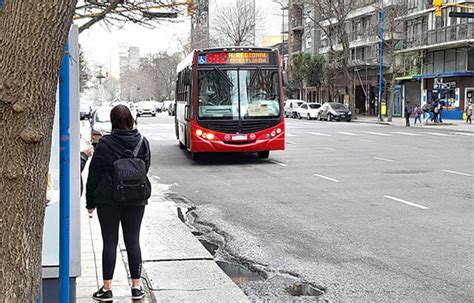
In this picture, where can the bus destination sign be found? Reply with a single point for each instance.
(234, 58)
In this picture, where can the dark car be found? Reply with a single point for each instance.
(335, 111)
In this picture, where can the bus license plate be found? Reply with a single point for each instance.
(239, 137)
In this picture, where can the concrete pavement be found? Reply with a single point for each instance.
(176, 267)
(454, 125)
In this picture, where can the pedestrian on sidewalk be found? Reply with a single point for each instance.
(440, 111)
(435, 112)
(426, 112)
(418, 113)
(118, 187)
(468, 111)
(408, 111)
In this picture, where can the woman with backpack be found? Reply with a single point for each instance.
(119, 188)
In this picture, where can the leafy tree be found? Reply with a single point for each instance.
(306, 70)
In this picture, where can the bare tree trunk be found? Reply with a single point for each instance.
(32, 38)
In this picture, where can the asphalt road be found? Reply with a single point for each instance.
(368, 212)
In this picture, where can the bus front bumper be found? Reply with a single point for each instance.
(200, 145)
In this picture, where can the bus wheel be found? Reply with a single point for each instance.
(264, 154)
(181, 146)
(195, 156)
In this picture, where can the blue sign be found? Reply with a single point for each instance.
(201, 59)
(1, 4)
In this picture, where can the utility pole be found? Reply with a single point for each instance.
(379, 101)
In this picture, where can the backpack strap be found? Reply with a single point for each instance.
(137, 148)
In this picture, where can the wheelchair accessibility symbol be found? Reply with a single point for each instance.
(202, 60)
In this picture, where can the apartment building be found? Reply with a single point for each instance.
(427, 49)
(438, 49)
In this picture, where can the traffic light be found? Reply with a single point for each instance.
(190, 4)
(438, 7)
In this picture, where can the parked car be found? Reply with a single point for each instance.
(100, 124)
(172, 108)
(290, 107)
(159, 106)
(85, 110)
(335, 111)
(146, 108)
(308, 110)
(166, 105)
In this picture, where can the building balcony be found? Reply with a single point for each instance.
(441, 37)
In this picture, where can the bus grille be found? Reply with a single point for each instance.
(243, 127)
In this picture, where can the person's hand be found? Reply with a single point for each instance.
(89, 150)
(90, 211)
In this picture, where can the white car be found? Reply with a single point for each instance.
(308, 110)
(290, 107)
(146, 107)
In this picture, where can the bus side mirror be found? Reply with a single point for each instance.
(285, 79)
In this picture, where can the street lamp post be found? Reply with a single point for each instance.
(283, 8)
(379, 101)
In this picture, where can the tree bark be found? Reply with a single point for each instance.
(32, 38)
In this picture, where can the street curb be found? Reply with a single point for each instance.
(431, 125)
(176, 266)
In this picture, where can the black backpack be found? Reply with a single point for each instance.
(130, 182)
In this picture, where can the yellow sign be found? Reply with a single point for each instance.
(244, 58)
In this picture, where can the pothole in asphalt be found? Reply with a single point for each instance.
(238, 273)
(211, 247)
(304, 289)
(183, 212)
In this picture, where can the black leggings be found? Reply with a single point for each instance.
(131, 218)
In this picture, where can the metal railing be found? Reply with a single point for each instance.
(442, 35)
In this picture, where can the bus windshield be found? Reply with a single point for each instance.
(238, 94)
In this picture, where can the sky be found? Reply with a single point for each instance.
(101, 45)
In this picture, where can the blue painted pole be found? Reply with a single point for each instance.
(381, 61)
(64, 173)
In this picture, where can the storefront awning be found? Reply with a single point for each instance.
(444, 75)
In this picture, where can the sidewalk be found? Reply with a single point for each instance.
(453, 125)
(176, 267)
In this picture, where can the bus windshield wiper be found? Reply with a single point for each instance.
(224, 76)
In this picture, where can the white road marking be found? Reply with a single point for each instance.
(437, 134)
(383, 159)
(405, 202)
(327, 178)
(379, 134)
(464, 134)
(457, 173)
(407, 134)
(319, 134)
(278, 163)
(156, 177)
(327, 148)
(366, 140)
(290, 135)
(290, 142)
(347, 133)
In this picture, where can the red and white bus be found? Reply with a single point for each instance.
(230, 100)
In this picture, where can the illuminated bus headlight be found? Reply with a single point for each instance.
(279, 130)
(210, 136)
(199, 133)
